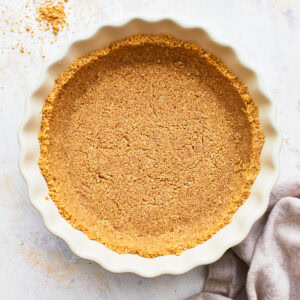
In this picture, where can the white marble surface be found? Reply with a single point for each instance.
(36, 265)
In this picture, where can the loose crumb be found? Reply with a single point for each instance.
(52, 16)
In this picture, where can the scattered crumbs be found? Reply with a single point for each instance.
(43, 56)
(46, 198)
(52, 15)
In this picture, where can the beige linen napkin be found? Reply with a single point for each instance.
(266, 266)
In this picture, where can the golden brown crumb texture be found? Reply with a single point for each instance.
(52, 15)
(150, 145)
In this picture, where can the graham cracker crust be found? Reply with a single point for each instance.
(150, 145)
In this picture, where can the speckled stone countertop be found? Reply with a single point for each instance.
(34, 264)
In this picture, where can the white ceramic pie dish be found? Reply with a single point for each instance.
(80, 244)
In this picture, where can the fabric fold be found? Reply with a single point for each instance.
(266, 265)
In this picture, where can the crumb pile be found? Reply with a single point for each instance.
(49, 16)
(149, 146)
(52, 15)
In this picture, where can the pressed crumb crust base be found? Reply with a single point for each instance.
(149, 146)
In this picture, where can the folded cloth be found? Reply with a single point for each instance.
(266, 265)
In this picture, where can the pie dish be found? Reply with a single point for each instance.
(150, 147)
